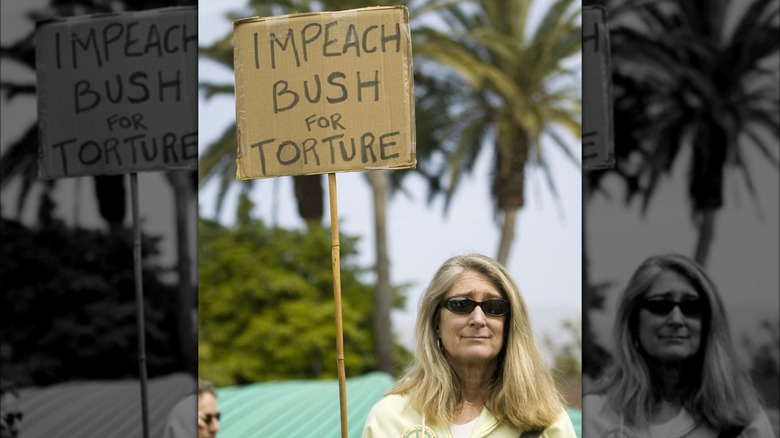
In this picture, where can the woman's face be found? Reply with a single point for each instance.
(475, 338)
(670, 319)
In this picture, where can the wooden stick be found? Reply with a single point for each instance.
(336, 262)
(139, 301)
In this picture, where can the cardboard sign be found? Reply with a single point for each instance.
(324, 92)
(597, 121)
(117, 93)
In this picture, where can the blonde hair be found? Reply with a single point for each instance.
(522, 393)
(718, 386)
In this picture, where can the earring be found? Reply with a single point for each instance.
(441, 347)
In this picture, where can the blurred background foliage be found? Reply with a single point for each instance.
(266, 303)
(69, 308)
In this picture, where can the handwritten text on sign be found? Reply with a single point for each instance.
(117, 93)
(597, 139)
(325, 92)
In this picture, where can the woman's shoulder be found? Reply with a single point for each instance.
(759, 427)
(394, 402)
(391, 417)
(562, 427)
(598, 419)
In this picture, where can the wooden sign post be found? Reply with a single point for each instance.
(117, 94)
(325, 93)
(597, 121)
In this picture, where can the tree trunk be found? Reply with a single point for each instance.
(187, 297)
(710, 151)
(706, 235)
(310, 197)
(383, 299)
(507, 235)
(111, 199)
(509, 180)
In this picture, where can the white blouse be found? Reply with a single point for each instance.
(463, 430)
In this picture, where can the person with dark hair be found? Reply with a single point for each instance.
(10, 410)
(208, 411)
(676, 371)
(478, 369)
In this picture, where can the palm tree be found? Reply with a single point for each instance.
(700, 75)
(517, 89)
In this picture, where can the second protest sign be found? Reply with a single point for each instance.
(117, 92)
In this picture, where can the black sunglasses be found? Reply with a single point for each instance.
(12, 417)
(208, 417)
(663, 307)
(463, 305)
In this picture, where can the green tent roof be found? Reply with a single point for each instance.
(299, 408)
(305, 408)
(101, 409)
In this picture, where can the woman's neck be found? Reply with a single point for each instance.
(671, 382)
(475, 381)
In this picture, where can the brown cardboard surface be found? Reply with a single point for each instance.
(597, 121)
(117, 93)
(324, 92)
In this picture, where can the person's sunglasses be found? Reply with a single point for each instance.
(663, 307)
(463, 305)
(12, 417)
(208, 417)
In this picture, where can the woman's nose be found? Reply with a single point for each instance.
(676, 316)
(477, 316)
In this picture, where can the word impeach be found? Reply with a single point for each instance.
(117, 92)
(324, 92)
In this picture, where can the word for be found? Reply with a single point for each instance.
(127, 39)
(133, 150)
(371, 39)
(334, 121)
(123, 122)
(136, 88)
(288, 152)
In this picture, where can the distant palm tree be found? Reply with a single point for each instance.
(693, 74)
(517, 89)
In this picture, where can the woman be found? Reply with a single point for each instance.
(478, 371)
(675, 371)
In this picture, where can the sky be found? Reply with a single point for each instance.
(546, 256)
